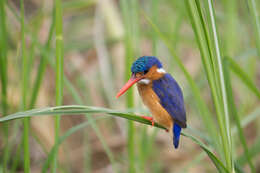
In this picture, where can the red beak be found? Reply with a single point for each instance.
(129, 83)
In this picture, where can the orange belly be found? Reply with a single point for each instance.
(152, 101)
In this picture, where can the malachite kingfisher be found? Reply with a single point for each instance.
(160, 93)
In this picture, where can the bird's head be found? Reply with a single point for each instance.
(144, 70)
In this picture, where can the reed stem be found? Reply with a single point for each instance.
(3, 78)
(26, 121)
(59, 72)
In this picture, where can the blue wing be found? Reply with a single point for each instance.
(171, 98)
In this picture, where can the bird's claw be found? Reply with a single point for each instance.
(149, 118)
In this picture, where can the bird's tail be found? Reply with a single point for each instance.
(176, 135)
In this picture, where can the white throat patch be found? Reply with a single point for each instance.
(144, 81)
(161, 70)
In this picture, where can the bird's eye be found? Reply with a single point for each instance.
(146, 71)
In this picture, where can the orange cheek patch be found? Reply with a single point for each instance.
(153, 74)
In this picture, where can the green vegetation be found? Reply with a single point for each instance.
(25, 70)
(59, 72)
(78, 53)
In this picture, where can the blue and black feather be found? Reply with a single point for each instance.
(171, 99)
(144, 63)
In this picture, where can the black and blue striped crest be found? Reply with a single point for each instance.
(144, 63)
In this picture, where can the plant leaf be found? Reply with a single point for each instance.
(219, 165)
(77, 109)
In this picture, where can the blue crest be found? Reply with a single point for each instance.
(144, 63)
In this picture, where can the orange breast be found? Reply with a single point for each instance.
(152, 101)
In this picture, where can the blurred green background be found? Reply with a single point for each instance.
(79, 52)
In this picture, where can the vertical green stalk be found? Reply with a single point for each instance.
(256, 23)
(130, 130)
(214, 71)
(129, 104)
(228, 150)
(59, 71)
(234, 112)
(3, 78)
(3, 57)
(208, 44)
(26, 121)
(202, 41)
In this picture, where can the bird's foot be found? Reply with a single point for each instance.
(149, 118)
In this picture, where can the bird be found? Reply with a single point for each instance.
(160, 93)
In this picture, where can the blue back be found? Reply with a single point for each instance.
(171, 98)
